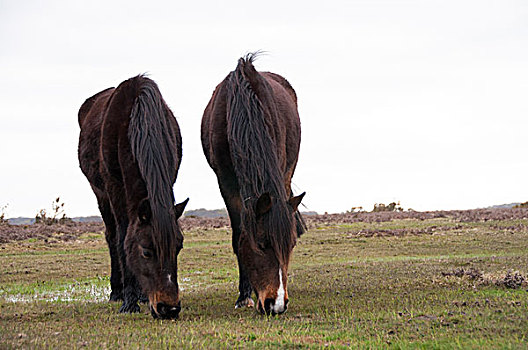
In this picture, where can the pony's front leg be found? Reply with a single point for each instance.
(130, 286)
(116, 277)
(130, 293)
(230, 193)
(111, 237)
(244, 288)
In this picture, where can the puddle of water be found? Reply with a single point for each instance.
(77, 293)
(88, 294)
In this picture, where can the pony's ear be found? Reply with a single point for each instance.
(263, 204)
(179, 208)
(144, 212)
(295, 201)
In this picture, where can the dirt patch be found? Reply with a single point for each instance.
(188, 223)
(73, 230)
(63, 232)
(510, 279)
(400, 232)
(461, 272)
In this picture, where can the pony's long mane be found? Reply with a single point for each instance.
(151, 139)
(256, 164)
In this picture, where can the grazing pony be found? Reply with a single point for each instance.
(130, 151)
(251, 135)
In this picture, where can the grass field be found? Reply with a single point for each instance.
(436, 283)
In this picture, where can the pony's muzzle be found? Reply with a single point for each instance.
(165, 311)
(271, 308)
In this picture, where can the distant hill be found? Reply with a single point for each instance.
(21, 221)
(503, 206)
(30, 221)
(204, 213)
(94, 218)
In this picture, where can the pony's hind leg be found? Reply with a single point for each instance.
(116, 285)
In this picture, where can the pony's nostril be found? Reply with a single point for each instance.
(286, 303)
(162, 308)
(268, 305)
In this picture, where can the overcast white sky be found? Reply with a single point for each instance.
(424, 102)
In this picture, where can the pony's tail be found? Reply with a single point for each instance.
(250, 142)
(152, 145)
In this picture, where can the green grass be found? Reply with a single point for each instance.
(346, 290)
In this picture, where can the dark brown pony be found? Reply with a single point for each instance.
(130, 151)
(251, 136)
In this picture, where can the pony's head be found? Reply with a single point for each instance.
(152, 250)
(265, 253)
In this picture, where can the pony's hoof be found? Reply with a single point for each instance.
(244, 302)
(129, 308)
(116, 296)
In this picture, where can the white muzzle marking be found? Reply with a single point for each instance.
(169, 278)
(279, 302)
